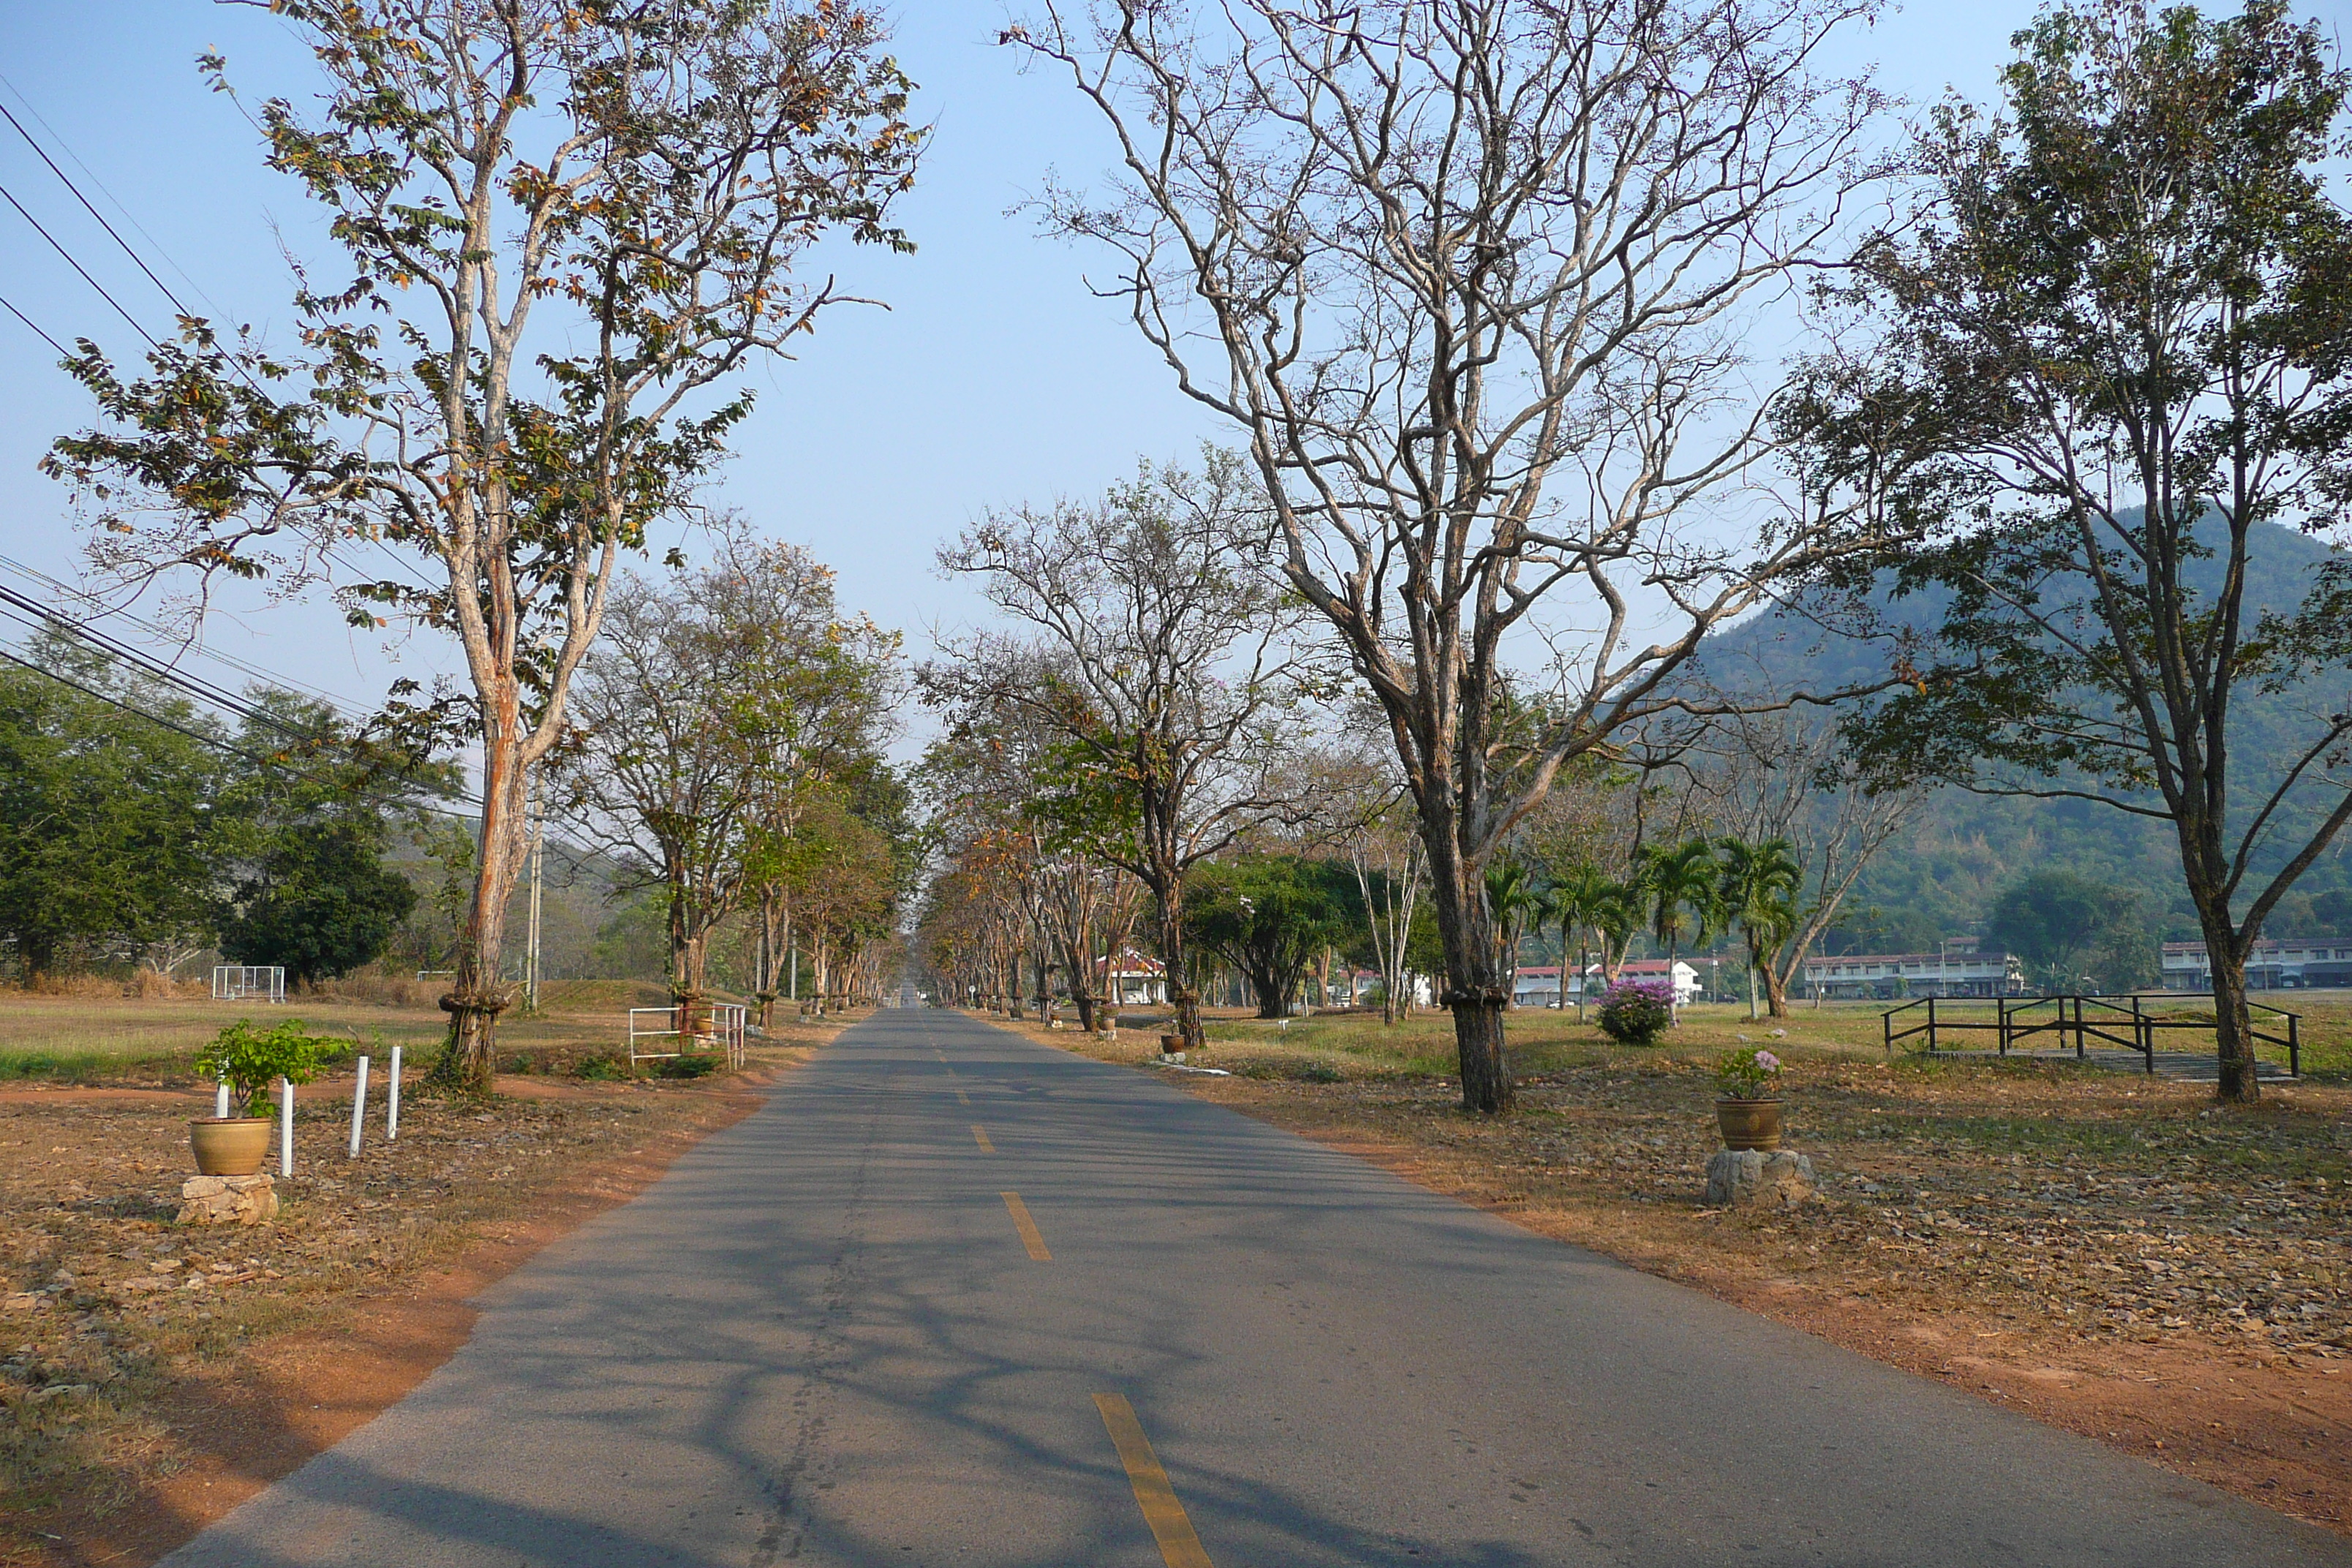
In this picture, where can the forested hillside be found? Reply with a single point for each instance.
(1939, 878)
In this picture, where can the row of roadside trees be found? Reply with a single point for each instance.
(1473, 287)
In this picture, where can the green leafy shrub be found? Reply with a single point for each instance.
(600, 1068)
(247, 1059)
(1635, 1013)
(1318, 1072)
(686, 1066)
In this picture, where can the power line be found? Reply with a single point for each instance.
(63, 353)
(127, 215)
(78, 266)
(141, 261)
(215, 742)
(106, 611)
(93, 211)
(146, 664)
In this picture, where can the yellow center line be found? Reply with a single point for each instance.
(1027, 1227)
(1178, 1547)
(980, 1136)
(962, 1099)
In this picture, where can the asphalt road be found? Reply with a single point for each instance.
(828, 1336)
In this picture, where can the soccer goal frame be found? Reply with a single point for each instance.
(249, 983)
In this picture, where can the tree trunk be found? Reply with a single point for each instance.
(1474, 987)
(1013, 992)
(2233, 1024)
(1168, 900)
(469, 1062)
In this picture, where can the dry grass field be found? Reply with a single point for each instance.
(2112, 1253)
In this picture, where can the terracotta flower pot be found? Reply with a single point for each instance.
(1749, 1124)
(230, 1146)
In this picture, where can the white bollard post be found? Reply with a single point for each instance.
(220, 1101)
(359, 1105)
(392, 1106)
(285, 1128)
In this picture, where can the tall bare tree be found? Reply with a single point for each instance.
(1167, 667)
(1472, 276)
(562, 223)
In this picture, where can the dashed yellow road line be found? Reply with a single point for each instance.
(980, 1136)
(962, 1099)
(1027, 1227)
(1178, 1547)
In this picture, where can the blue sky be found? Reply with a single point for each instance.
(993, 379)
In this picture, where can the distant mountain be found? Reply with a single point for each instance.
(1966, 847)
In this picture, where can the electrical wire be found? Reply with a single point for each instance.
(60, 174)
(63, 353)
(127, 215)
(141, 261)
(103, 610)
(215, 742)
(78, 266)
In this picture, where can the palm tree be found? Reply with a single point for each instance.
(1757, 887)
(1577, 903)
(1512, 900)
(1679, 886)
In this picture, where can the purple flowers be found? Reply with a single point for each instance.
(1633, 1012)
(1748, 1073)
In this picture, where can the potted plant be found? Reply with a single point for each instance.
(1746, 1108)
(246, 1060)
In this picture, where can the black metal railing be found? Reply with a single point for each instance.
(2132, 1023)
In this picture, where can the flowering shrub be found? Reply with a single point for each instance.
(1748, 1073)
(1633, 1011)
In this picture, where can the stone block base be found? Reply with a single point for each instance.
(1737, 1177)
(226, 1200)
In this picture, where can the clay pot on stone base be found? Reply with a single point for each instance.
(230, 1146)
(1749, 1124)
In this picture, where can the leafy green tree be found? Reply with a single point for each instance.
(1269, 915)
(323, 904)
(2110, 349)
(2052, 920)
(1757, 887)
(111, 825)
(1518, 905)
(2128, 955)
(312, 811)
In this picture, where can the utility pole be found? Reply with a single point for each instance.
(531, 953)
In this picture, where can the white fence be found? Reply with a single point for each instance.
(240, 983)
(653, 1033)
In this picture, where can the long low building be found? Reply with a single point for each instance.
(1975, 972)
(2281, 963)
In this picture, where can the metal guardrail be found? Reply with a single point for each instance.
(2124, 1022)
